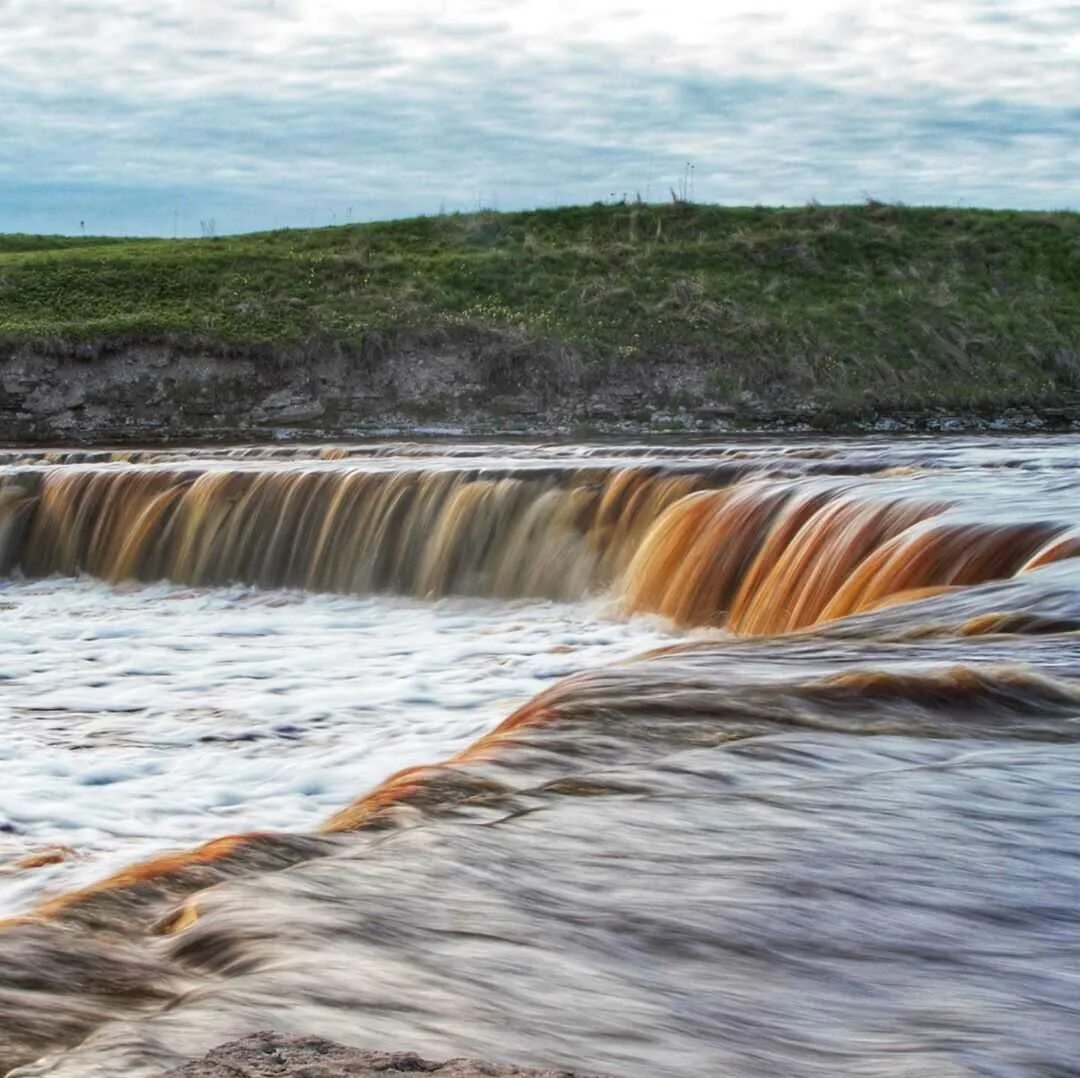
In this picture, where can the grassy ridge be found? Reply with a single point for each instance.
(853, 306)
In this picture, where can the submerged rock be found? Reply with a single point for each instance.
(47, 855)
(273, 1055)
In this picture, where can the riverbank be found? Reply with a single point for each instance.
(627, 319)
(144, 394)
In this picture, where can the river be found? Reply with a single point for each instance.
(750, 758)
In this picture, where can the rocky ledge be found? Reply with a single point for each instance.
(273, 1055)
(478, 384)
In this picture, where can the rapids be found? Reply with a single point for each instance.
(181, 713)
(656, 759)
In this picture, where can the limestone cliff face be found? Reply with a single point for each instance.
(159, 392)
(71, 393)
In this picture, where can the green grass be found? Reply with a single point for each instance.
(851, 305)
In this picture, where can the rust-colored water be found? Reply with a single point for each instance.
(726, 544)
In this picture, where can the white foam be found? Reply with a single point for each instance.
(138, 719)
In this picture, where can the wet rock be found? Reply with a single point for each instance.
(273, 1055)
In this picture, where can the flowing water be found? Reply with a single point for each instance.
(750, 759)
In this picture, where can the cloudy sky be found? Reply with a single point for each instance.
(145, 116)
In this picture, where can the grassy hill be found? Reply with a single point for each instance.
(853, 306)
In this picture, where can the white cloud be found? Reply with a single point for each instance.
(396, 107)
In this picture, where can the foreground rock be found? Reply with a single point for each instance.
(273, 1055)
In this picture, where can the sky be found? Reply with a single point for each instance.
(162, 117)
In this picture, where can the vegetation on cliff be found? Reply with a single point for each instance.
(853, 307)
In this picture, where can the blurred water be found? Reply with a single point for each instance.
(851, 850)
(146, 718)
